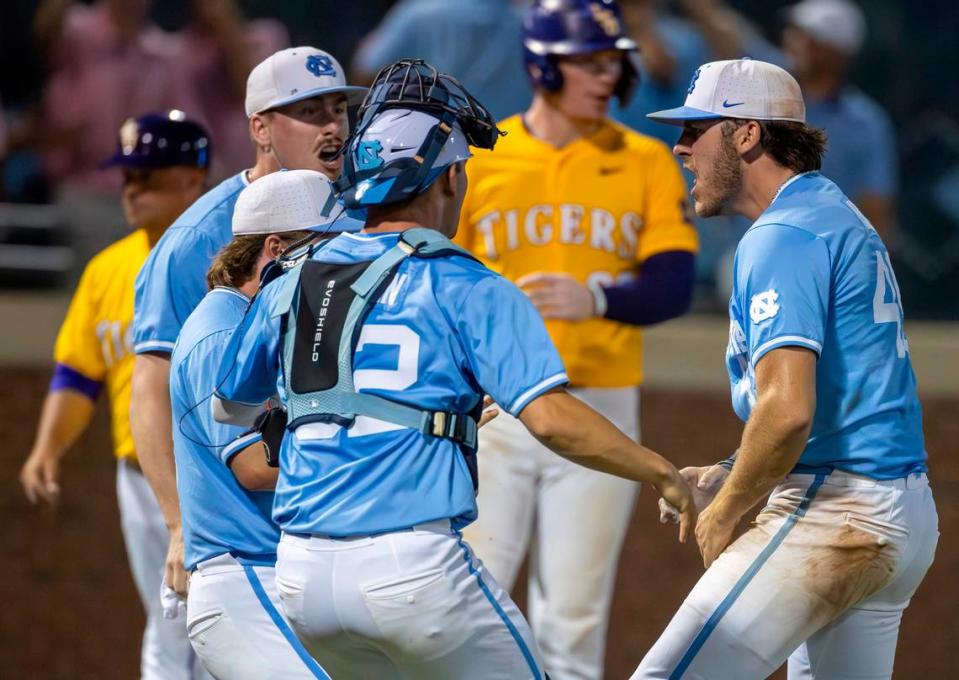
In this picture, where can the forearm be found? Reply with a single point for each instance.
(573, 430)
(772, 442)
(664, 290)
(66, 414)
(151, 425)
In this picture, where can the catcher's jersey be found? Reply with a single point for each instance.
(446, 331)
(96, 336)
(595, 209)
(219, 515)
(812, 272)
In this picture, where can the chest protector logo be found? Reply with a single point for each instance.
(763, 306)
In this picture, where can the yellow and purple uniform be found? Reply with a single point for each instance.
(595, 209)
(94, 346)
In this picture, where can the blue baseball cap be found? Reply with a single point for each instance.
(161, 140)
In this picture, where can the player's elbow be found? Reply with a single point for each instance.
(251, 471)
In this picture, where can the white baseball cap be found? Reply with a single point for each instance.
(738, 88)
(293, 74)
(288, 200)
(839, 23)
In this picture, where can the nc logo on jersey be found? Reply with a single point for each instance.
(763, 306)
(320, 65)
(692, 82)
(368, 154)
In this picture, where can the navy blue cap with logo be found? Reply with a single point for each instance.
(161, 140)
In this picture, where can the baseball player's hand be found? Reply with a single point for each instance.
(488, 413)
(704, 482)
(558, 296)
(174, 574)
(676, 492)
(39, 477)
(714, 531)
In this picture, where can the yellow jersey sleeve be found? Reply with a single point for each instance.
(78, 345)
(666, 221)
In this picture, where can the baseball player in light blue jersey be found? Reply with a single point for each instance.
(819, 367)
(296, 101)
(224, 483)
(388, 340)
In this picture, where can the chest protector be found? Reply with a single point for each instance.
(324, 306)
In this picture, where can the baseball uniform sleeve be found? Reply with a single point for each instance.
(251, 362)
(170, 285)
(508, 350)
(782, 282)
(78, 346)
(665, 225)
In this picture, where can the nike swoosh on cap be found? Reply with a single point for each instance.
(727, 105)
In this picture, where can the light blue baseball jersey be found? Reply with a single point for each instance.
(812, 272)
(219, 516)
(446, 331)
(173, 279)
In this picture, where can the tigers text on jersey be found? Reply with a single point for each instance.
(595, 209)
(219, 516)
(446, 331)
(812, 272)
(95, 338)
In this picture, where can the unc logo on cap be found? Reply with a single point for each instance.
(320, 65)
(692, 82)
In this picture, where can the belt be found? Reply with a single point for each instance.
(916, 480)
(439, 526)
(228, 559)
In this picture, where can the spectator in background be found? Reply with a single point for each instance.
(478, 41)
(219, 49)
(671, 48)
(104, 61)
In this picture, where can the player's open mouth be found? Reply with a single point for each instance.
(329, 154)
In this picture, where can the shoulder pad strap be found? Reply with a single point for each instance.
(289, 284)
(431, 243)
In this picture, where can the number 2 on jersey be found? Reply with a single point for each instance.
(889, 312)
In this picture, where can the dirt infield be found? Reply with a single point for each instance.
(71, 611)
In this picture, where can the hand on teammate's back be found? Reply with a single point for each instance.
(39, 477)
(704, 482)
(489, 411)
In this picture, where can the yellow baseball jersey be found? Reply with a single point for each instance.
(96, 338)
(594, 209)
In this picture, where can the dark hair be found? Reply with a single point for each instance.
(235, 264)
(796, 146)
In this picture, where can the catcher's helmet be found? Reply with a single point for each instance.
(413, 123)
(559, 28)
(161, 140)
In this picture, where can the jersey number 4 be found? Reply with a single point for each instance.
(891, 311)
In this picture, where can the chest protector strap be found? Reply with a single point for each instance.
(324, 307)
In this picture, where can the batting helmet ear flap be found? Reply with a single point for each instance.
(543, 72)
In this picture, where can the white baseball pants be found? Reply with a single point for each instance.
(166, 653)
(407, 604)
(571, 519)
(236, 628)
(822, 577)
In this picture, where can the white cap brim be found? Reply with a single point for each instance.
(354, 95)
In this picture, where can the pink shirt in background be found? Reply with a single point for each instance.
(212, 102)
(97, 82)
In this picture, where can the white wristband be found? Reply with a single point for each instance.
(599, 300)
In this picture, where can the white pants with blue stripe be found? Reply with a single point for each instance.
(407, 604)
(822, 577)
(235, 624)
(165, 653)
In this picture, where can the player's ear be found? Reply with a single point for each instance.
(274, 246)
(260, 131)
(748, 138)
